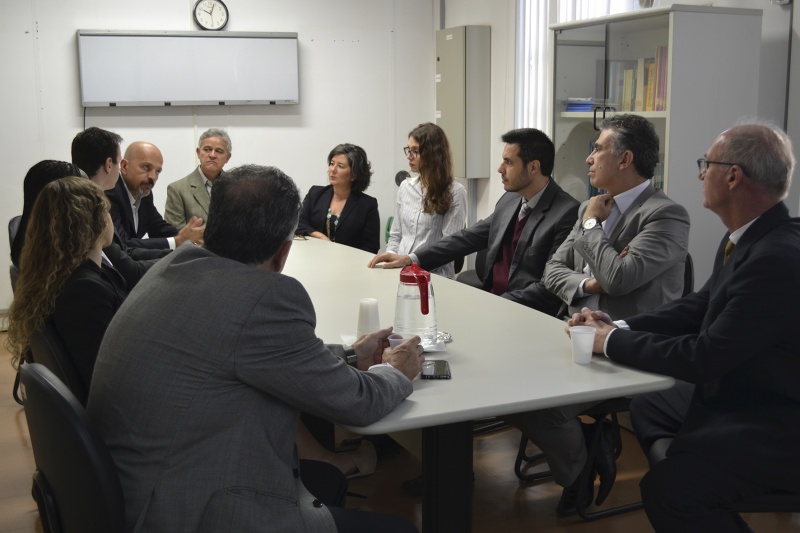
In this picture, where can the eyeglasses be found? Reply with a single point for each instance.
(414, 153)
(702, 164)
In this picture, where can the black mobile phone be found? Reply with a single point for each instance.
(435, 370)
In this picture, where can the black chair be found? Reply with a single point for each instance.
(771, 502)
(13, 226)
(474, 277)
(48, 349)
(75, 485)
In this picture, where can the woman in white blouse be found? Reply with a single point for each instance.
(432, 204)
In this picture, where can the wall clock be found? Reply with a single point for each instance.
(211, 14)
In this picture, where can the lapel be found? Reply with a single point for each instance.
(722, 273)
(635, 206)
(199, 192)
(349, 206)
(536, 216)
(127, 211)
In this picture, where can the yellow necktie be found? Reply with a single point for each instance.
(728, 251)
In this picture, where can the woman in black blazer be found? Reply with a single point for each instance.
(62, 276)
(341, 212)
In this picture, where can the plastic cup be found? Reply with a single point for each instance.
(398, 338)
(368, 318)
(582, 338)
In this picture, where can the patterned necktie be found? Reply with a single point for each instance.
(523, 210)
(728, 252)
(208, 187)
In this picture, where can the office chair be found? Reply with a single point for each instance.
(76, 486)
(474, 278)
(13, 227)
(49, 350)
(602, 411)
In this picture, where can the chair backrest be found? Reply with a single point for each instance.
(688, 275)
(13, 226)
(480, 263)
(49, 350)
(76, 483)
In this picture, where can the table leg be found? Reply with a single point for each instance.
(447, 478)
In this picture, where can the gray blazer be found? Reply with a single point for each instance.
(186, 198)
(657, 231)
(548, 225)
(197, 391)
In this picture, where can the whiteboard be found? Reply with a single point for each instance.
(187, 68)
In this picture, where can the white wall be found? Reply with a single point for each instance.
(366, 76)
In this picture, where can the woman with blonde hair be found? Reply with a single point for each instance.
(62, 276)
(432, 204)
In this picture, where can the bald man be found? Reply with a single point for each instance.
(132, 206)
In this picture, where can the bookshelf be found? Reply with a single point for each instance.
(709, 80)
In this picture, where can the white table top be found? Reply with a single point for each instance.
(505, 358)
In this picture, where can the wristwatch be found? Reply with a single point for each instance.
(591, 223)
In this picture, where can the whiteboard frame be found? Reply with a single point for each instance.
(209, 69)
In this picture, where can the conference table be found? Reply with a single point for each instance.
(504, 357)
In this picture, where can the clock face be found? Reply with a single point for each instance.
(211, 14)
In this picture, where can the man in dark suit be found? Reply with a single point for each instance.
(96, 153)
(201, 418)
(733, 339)
(528, 224)
(132, 208)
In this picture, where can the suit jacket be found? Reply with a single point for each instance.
(359, 223)
(548, 225)
(657, 231)
(201, 417)
(150, 220)
(187, 198)
(736, 340)
(83, 311)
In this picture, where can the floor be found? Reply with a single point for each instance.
(501, 504)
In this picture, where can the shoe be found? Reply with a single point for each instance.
(605, 461)
(568, 504)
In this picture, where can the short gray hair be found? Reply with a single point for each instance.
(216, 132)
(763, 151)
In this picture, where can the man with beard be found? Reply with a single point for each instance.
(132, 207)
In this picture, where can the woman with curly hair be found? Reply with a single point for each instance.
(431, 205)
(341, 212)
(62, 276)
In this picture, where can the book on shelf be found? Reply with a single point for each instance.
(650, 84)
(641, 81)
(660, 101)
(627, 88)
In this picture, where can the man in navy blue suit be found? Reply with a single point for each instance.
(734, 340)
(132, 207)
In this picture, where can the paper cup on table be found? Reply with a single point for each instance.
(582, 338)
(398, 338)
(368, 319)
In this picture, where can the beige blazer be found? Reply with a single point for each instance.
(186, 198)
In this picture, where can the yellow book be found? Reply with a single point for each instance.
(639, 101)
(651, 87)
(627, 89)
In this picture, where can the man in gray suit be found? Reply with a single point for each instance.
(624, 256)
(190, 196)
(528, 224)
(201, 417)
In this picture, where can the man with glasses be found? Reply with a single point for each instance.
(529, 222)
(736, 435)
(625, 255)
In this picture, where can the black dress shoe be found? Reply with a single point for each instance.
(605, 459)
(568, 504)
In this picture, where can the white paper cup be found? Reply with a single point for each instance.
(368, 318)
(582, 338)
(398, 338)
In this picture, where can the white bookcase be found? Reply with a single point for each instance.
(711, 68)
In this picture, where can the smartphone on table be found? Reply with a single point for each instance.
(435, 370)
